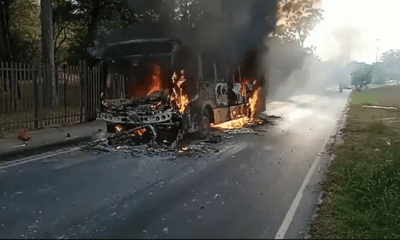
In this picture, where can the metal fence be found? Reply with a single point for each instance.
(23, 96)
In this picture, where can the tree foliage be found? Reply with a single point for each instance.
(297, 18)
(20, 30)
(379, 74)
(362, 76)
(26, 25)
(79, 23)
(390, 62)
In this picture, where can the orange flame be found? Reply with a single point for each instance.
(136, 132)
(156, 86)
(141, 131)
(155, 105)
(118, 128)
(152, 83)
(178, 97)
(254, 101)
(245, 81)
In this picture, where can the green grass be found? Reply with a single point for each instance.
(387, 95)
(363, 185)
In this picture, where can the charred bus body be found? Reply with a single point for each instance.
(163, 86)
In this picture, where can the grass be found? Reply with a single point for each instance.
(363, 184)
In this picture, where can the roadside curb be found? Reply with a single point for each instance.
(29, 151)
(337, 136)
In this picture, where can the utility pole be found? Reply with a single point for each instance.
(49, 79)
(377, 49)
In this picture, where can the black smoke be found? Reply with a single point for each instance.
(229, 27)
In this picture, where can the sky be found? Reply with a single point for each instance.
(350, 29)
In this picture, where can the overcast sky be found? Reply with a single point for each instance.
(352, 27)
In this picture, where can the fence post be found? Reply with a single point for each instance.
(40, 94)
(85, 92)
(35, 92)
(81, 84)
(12, 91)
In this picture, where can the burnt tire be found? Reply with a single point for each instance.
(204, 125)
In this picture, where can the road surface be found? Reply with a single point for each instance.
(242, 188)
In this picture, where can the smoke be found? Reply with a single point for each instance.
(293, 71)
(285, 67)
(234, 26)
(228, 27)
(349, 40)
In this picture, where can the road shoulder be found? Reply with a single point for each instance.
(12, 148)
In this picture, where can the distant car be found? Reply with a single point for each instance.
(390, 81)
(346, 86)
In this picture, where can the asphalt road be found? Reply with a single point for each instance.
(244, 189)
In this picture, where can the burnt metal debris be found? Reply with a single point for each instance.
(139, 142)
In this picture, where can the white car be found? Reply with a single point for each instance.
(390, 81)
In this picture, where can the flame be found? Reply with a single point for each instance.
(141, 131)
(156, 105)
(245, 81)
(254, 101)
(178, 97)
(136, 132)
(156, 86)
(234, 124)
(118, 128)
(142, 88)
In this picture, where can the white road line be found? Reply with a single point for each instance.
(295, 204)
(31, 159)
(292, 210)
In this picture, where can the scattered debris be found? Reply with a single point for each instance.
(239, 131)
(24, 136)
(140, 142)
(136, 136)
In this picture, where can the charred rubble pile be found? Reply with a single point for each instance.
(187, 148)
(140, 141)
(147, 135)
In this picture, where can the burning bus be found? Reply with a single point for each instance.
(162, 88)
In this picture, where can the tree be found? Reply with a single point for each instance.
(48, 52)
(5, 14)
(188, 13)
(391, 63)
(362, 76)
(379, 74)
(80, 23)
(20, 30)
(297, 18)
(26, 25)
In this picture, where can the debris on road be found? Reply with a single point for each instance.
(24, 136)
(140, 141)
(136, 136)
